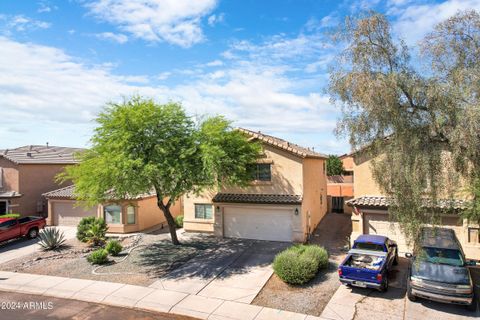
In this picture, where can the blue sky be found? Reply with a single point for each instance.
(263, 64)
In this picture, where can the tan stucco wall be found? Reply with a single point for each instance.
(189, 221)
(31, 180)
(34, 180)
(314, 203)
(287, 172)
(10, 175)
(348, 163)
(363, 183)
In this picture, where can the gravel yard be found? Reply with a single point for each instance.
(150, 258)
(312, 297)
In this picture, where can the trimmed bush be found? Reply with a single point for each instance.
(10, 215)
(179, 221)
(92, 230)
(113, 247)
(300, 263)
(99, 256)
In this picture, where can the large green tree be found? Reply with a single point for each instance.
(140, 146)
(334, 165)
(417, 108)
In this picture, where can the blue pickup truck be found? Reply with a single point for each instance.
(368, 262)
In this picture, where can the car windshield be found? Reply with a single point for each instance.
(369, 246)
(443, 256)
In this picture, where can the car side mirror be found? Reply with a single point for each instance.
(408, 255)
(471, 263)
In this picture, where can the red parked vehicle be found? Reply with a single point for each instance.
(11, 228)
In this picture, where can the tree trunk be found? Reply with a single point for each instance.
(171, 222)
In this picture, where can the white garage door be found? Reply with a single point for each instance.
(258, 223)
(66, 214)
(377, 223)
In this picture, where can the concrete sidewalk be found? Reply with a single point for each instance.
(145, 298)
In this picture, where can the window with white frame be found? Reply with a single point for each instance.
(203, 211)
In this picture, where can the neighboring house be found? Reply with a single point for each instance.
(29, 171)
(340, 188)
(284, 202)
(371, 216)
(122, 216)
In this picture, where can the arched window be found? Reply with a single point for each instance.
(131, 215)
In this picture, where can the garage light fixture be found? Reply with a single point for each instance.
(296, 211)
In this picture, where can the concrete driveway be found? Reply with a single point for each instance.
(236, 271)
(23, 246)
(365, 304)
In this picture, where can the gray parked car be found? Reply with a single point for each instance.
(439, 271)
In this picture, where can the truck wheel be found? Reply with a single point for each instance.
(384, 286)
(410, 295)
(33, 233)
(473, 306)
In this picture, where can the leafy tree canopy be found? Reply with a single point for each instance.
(421, 114)
(140, 146)
(334, 165)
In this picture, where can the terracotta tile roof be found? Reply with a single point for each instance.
(68, 193)
(10, 194)
(284, 145)
(379, 201)
(36, 154)
(257, 198)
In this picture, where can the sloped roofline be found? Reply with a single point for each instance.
(279, 143)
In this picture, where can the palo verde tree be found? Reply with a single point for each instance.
(140, 146)
(417, 111)
(334, 165)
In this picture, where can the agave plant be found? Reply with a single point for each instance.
(51, 238)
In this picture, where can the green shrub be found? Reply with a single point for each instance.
(113, 247)
(300, 263)
(179, 221)
(10, 215)
(83, 226)
(51, 238)
(92, 230)
(99, 256)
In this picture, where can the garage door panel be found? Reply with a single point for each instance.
(380, 224)
(66, 214)
(258, 223)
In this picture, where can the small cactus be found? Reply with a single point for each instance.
(51, 238)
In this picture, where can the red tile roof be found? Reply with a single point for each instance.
(284, 145)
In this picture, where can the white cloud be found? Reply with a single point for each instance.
(164, 75)
(214, 63)
(174, 21)
(41, 84)
(215, 19)
(413, 21)
(115, 37)
(21, 23)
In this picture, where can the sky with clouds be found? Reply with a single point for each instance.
(262, 64)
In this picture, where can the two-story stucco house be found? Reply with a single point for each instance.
(27, 172)
(285, 201)
(370, 212)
